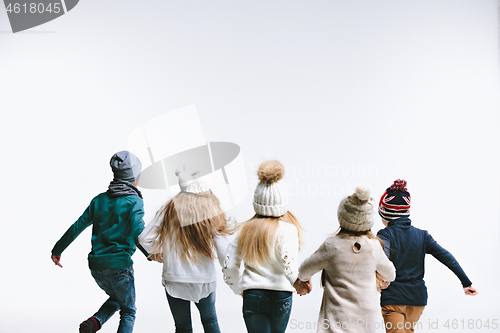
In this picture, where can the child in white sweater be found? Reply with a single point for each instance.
(352, 261)
(267, 244)
(188, 233)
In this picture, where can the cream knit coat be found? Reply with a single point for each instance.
(350, 297)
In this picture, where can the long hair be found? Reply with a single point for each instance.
(346, 233)
(189, 222)
(257, 237)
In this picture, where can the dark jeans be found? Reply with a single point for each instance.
(119, 285)
(266, 311)
(181, 311)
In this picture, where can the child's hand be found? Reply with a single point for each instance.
(302, 288)
(156, 257)
(384, 284)
(470, 291)
(56, 260)
(308, 285)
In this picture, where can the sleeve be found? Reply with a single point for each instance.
(383, 234)
(289, 252)
(384, 266)
(313, 264)
(76, 229)
(149, 234)
(136, 216)
(231, 267)
(221, 244)
(446, 258)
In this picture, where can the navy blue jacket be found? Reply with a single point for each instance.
(406, 247)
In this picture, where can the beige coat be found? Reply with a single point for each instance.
(350, 297)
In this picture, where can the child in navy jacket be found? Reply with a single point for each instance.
(406, 246)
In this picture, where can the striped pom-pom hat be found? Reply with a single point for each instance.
(395, 202)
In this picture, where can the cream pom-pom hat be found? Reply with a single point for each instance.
(271, 194)
(356, 212)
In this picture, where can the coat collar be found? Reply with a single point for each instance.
(401, 222)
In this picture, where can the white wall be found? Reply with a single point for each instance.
(369, 91)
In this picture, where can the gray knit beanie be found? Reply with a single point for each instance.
(356, 212)
(271, 195)
(126, 166)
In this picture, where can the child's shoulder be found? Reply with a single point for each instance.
(103, 199)
(394, 231)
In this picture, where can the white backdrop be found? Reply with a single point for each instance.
(341, 92)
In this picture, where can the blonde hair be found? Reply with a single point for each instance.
(257, 236)
(189, 222)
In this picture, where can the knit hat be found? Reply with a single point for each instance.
(189, 180)
(126, 166)
(271, 195)
(356, 212)
(395, 202)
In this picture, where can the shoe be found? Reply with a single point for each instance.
(88, 326)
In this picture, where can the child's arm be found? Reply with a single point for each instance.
(70, 235)
(313, 264)
(149, 234)
(384, 266)
(289, 252)
(383, 235)
(136, 217)
(446, 258)
(221, 244)
(231, 267)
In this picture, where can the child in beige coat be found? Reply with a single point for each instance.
(353, 261)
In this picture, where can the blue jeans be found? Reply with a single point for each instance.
(119, 285)
(266, 311)
(181, 311)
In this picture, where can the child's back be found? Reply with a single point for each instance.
(350, 262)
(406, 246)
(116, 219)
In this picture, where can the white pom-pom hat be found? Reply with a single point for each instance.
(271, 194)
(189, 180)
(356, 212)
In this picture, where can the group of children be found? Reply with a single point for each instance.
(191, 230)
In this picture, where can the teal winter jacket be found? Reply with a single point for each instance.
(116, 224)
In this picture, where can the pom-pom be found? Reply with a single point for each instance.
(399, 185)
(363, 192)
(270, 172)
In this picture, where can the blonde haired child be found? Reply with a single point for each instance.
(187, 234)
(351, 261)
(267, 244)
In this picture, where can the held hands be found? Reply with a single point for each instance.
(302, 287)
(156, 257)
(56, 260)
(384, 284)
(470, 291)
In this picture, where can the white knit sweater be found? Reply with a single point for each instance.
(279, 273)
(175, 270)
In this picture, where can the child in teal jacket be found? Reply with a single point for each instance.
(116, 217)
